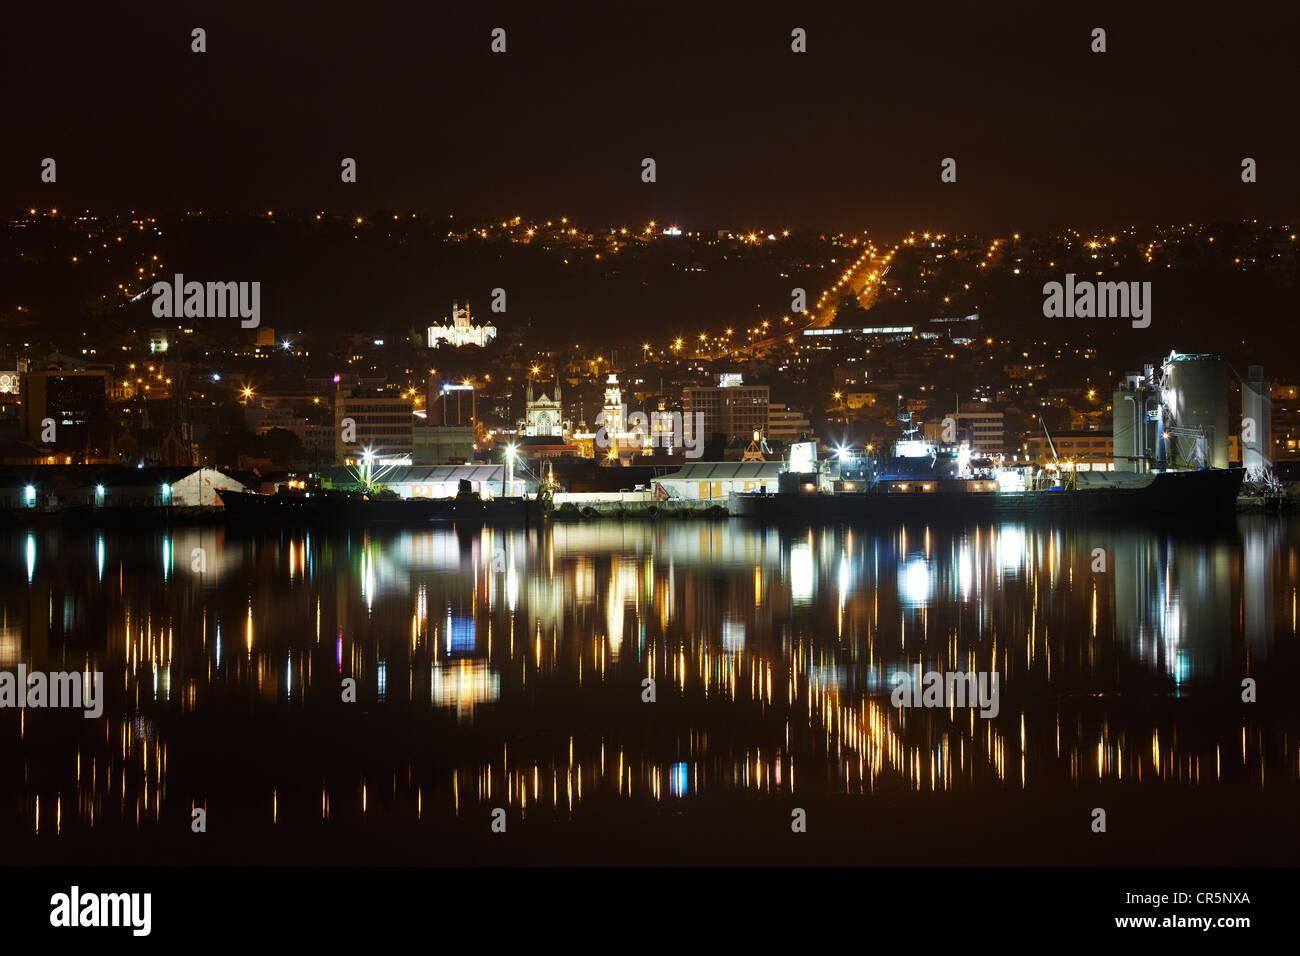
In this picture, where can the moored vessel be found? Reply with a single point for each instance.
(923, 479)
(351, 509)
(1170, 494)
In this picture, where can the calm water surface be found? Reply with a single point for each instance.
(504, 669)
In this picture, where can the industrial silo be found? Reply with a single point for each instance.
(1256, 422)
(1133, 429)
(1195, 394)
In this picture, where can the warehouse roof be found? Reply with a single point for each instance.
(424, 474)
(727, 470)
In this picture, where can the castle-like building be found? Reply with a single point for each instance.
(460, 331)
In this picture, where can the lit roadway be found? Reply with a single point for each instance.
(863, 278)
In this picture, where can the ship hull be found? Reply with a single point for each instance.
(1170, 495)
(296, 510)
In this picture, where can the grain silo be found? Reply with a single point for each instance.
(1133, 421)
(1256, 422)
(1195, 397)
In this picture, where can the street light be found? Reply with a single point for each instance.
(367, 458)
(510, 471)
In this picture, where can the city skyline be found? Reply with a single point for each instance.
(69, 270)
(648, 434)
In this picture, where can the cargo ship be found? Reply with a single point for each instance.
(920, 479)
(349, 509)
(1202, 494)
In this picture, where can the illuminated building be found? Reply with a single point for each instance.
(985, 428)
(731, 408)
(74, 400)
(384, 424)
(460, 330)
(543, 416)
(1078, 450)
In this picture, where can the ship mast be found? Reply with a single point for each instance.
(1050, 443)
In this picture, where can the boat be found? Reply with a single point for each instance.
(922, 479)
(339, 508)
(1204, 493)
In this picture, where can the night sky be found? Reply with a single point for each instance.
(745, 133)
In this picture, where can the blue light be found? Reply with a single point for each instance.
(461, 638)
(679, 779)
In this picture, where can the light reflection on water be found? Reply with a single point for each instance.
(507, 667)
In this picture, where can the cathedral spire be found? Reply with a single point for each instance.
(557, 386)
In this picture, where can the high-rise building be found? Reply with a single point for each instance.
(985, 428)
(730, 408)
(786, 425)
(70, 405)
(382, 424)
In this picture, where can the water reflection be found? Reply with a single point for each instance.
(506, 668)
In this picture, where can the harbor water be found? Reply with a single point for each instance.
(673, 692)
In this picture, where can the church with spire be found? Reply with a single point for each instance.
(543, 415)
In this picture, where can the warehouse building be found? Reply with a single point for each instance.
(716, 480)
